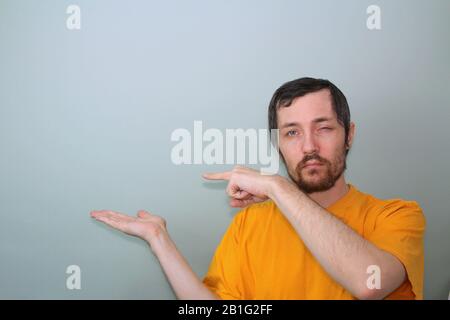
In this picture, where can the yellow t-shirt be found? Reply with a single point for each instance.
(262, 257)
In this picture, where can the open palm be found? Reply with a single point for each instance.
(145, 225)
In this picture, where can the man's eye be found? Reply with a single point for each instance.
(291, 133)
(325, 128)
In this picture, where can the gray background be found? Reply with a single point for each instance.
(86, 118)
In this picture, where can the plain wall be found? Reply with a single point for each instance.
(86, 118)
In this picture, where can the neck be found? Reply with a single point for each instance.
(330, 196)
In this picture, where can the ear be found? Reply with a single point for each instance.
(351, 135)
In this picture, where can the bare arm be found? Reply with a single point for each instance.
(342, 252)
(152, 229)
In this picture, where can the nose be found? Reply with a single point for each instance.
(309, 144)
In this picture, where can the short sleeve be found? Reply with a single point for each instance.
(399, 229)
(223, 276)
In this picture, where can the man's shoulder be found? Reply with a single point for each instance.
(379, 208)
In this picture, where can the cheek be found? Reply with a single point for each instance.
(291, 152)
(331, 145)
(287, 148)
(337, 142)
(290, 146)
(334, 153)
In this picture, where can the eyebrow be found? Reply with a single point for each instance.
(317, 120)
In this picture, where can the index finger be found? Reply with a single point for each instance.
(217, 175)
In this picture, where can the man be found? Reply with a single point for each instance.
(311, 237)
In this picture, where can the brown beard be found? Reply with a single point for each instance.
(333, 171)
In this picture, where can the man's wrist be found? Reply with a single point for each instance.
(159, 242)
(276, 184)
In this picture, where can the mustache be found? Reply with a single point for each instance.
(310, 157)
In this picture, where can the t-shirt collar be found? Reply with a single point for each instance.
(347, 198)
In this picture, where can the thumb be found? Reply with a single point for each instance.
(242, 195)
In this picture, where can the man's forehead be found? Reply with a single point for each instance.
(307, 109)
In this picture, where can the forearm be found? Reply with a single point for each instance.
(186, 284)
(342, 252)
